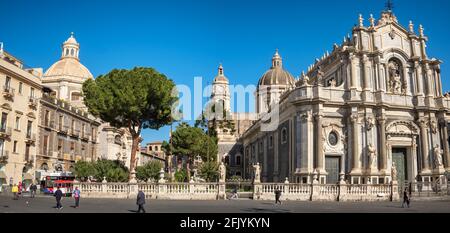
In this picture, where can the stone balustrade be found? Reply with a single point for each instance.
(261, 191)
(165, 191)
(327, 192)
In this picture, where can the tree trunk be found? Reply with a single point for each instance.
(188, 169)
(134, 148)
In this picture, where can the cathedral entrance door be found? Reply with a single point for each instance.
(399, 158)
(332, 166)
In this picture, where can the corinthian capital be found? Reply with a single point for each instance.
(423, 122)
(354, 118)
(381, 119)
(317, 115)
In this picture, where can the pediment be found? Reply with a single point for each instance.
(402, 128)
(392, 36)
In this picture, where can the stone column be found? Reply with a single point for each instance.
(366, 64)
(382, 147)
(446, 146)
(428, 80)
(275, 153)
(425, 150)
(319, 144)
(355, 145)
(438, 80)
(353, 61)
(419, 79)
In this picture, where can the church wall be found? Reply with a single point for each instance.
(283, 151)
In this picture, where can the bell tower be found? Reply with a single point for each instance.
(220, 90)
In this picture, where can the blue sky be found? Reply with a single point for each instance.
(184, 39)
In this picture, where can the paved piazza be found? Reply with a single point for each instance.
(46, 204)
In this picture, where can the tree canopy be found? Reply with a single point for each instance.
(193, 141)
(113, 171)
(149, 171)
(136, 99)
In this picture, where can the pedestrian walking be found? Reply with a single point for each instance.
(140, 201)
(406, 198)
(277, 196)
(20, 188)
(33, 189)
(76, 195)
(58, 195)
(15, 192)
(235, 194)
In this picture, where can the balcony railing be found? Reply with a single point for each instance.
(64, 129)
(8, 92)
(46, 152)
(4, 156)
(85, 136)
(31, 138)
(5, 132)
(32, 102)
(28, 160)
(49, 124)
(60, 154)
(75, 132)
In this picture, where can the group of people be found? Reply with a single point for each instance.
(18, 189)
(59, 194)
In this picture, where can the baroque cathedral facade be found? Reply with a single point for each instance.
(371, 109)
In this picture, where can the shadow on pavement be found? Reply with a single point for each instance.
(259, 210)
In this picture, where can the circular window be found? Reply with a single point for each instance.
(333, 138)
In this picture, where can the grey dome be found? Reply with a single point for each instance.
(277, 75)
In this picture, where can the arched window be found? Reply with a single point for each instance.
(44, 167)
(284, 136)
(238, 160)
(118, 140)
(71, 52)
(67, 52)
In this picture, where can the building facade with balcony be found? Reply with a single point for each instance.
(21, 88)
(66, 135)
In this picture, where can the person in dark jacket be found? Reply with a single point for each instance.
(277, 196)
(33, 189)
(58, 195)
(406, 198)
(140, 201)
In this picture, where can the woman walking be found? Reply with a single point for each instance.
(76, 195)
